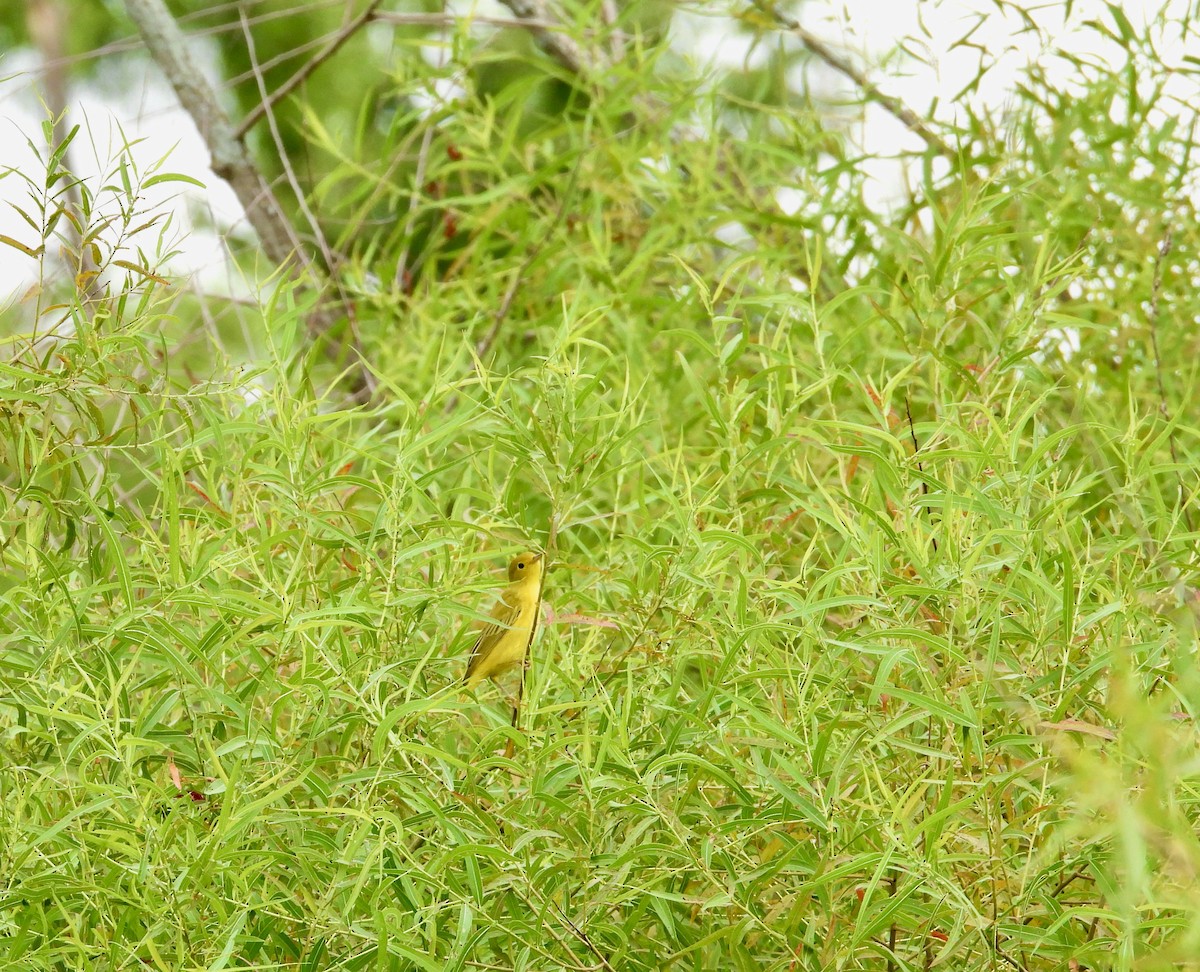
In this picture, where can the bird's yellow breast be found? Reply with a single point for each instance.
(504, 640)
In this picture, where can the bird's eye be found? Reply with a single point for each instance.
(520, 566)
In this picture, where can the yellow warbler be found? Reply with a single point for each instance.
(503, 641)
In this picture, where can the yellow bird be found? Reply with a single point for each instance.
(503, 641)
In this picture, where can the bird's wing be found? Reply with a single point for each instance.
(504, 618)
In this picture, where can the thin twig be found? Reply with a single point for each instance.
(534, 889)
(1155, 289)
(1058, 889)
(297, 79)
(1004, 955)
(410, 223)
(447, 20)
(581, 935)
(266, 104)
(128, 44)
(231, 161)
(912, 432)
(485, 344)
(893, 106)
(134, 43)
(893, 883)
(362, 381)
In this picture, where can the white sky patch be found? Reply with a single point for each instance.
(660, 165)
(733, 234)
(789, 200)
(709, 41)
(1066, 340)
(440, 93)
(860, 266)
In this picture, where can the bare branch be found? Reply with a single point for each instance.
(230, 160)
(403, 19)
(266, 105)
(893, 106)
(297, 79)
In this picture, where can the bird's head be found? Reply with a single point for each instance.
(525, 566)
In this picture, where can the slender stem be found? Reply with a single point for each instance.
(230, 160)
(297, 79)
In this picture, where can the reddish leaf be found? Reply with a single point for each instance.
(204, 496)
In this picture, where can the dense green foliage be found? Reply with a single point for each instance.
(872, 614)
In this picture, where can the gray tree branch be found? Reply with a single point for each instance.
(230, 160)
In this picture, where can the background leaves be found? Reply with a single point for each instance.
(873, 612)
